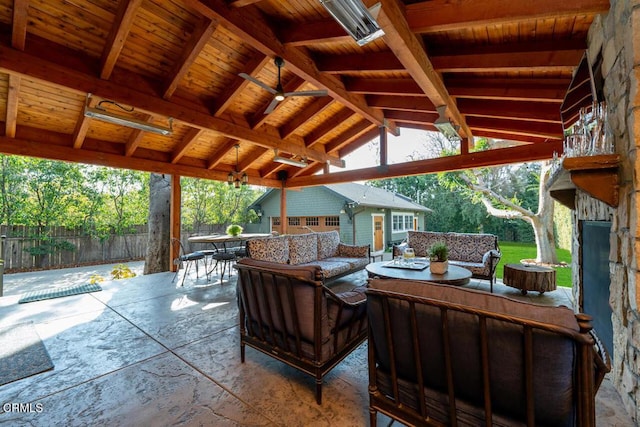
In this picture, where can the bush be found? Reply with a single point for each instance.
(234, 230)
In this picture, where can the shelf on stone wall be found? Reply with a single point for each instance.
(595, 175)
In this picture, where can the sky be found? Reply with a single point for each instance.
(400, 147)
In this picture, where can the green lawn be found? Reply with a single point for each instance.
(513, 252)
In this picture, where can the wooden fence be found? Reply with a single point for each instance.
(69, 247)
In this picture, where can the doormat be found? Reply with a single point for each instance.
(59, 292)
(22, 353)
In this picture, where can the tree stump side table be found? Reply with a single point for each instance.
(529, 278)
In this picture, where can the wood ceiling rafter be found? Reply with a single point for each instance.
(219, 154)
(250, 25)
(397, 86)
(434, 16)
(199, 38)
(187, 141)
(541, 90)
(127, 10)
(19, 23)
(11, 117)
(250, 158)
(443, 15)
(401, 103)
(315, 135)
(518, 154)
(412, 117)
(517, 127)
(26, 146)
(134, 139)
(35, 66)
(303, 117)
(411, 53)
(235, 88)
(524, 110)
(271, 169)
(359, 63)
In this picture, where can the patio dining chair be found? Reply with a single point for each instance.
(185, 259)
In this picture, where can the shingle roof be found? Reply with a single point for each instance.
(365, 195)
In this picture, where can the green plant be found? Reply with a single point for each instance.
(439, 252)
(122, 271)
(234, 230)
(95, 278)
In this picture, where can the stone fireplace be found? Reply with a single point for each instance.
(615, 39)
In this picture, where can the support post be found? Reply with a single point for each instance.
(383, 146)
(176, 203)
(283, 210)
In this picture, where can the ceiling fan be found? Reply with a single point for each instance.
(278, 92)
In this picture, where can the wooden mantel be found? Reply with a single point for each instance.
(595, 175)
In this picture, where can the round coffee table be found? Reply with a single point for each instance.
(455, 275)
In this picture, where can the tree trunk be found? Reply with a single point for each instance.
(543, 221)
(157, 259)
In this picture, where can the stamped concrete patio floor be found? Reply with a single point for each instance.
(145, 352)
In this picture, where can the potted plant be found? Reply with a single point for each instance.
(438, 257)
(234, 230)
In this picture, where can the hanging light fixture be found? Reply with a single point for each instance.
(235, 177)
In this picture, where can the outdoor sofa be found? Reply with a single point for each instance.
(477, 252)
(323, 249)
(291, 316)
(443, 355)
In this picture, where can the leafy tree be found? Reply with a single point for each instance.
(13, 189)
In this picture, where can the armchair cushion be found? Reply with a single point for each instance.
(353, 251)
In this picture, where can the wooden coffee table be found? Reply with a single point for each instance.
(455, 275)
(529, 278)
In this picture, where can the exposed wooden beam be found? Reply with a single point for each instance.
(517, 127)
(444, 15)
(315, 135)
(479, 159)
(350, 134)
(198, 40)
(399, 86)
(541, 90)
(19, 24)
(11, 116)
(134, 141)
(235, 87)
(411, 116)
(217, 157)
(410, 51)
(34, 66)
(325, 30)
(249, 159)
(549, 61)
(187, 141)
(242, 3)
(249, 24)
(516, 138)
(524, 110)
(359, 63)
(401, 103)
(28, 146)
(118, 35)
(303, 117)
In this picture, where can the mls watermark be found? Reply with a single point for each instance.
(23, 407)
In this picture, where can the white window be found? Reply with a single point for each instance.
(401, 222)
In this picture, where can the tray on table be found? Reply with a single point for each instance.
(418, 264)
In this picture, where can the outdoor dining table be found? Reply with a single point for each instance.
(222, 253)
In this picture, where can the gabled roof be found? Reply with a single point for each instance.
(374, 197)
(502, 68)
(363, 195)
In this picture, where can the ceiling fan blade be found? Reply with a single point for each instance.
(308, 93)
(258, 82)
(271, 106)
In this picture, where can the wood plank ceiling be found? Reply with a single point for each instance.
(501, 66)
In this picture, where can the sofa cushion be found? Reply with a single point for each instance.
(421, 241)
(303, 248)
(328, 242)
(355, 263)
(331, 268)
(476, 269)
(353, 251)
(469, 247)
(273, 249)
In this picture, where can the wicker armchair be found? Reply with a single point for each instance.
(289, 315)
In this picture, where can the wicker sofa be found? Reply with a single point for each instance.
(291, 316)
(324, 249)
(442, 355)
(476, 252)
